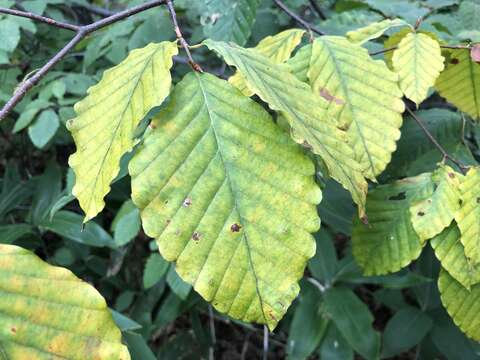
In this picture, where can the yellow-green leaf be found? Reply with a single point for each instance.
(229, 197)
(462, 305)
(373, 31)
(459, 83)
(450, 251)
(468, 216)
(306, 113)
(433, 214)
(418, 61)
(277, 48)
(359, 89)
(46, 312)
(389, 242)
(107, 118)
(393, 42)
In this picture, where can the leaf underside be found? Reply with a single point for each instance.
(463, 305)
(277, 48)
(459, 83)
(106, 119)
(418, 62)
(46, 312)
(389, 242)
(451, 253)
(229, 197)
(306, 113)
(467, 217)
(365, 97)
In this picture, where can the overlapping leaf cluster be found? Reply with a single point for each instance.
(231, 198)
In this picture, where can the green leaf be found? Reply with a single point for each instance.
(404, 330)
(107, 118)
(229, 20)
(310, 122)
(467, 217)
(373, 30)
(451, 253)
(177, 285)
(458, 83)
(47, 312)
(155, 268)
(389, 242)
(308, 325)
(392, 42)
(47, 189)
(418, 62)
(126, 224)
(462, 305)
(358, 89)
(354, 320)
(433, 214)
(44, 128)
(69, 225)
(12, 232)
(334, 346)
(324, 264)
(10, 35)
(277, 48)
(214, 180)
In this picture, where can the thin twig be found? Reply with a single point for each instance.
(463, 168)
(382, 51)
(317, 9)
(265, 342)
(297, 18)
(40, 18)
(180, 38)
(81, 33)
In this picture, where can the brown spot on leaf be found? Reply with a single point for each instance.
(187, 202)
(421, 213)
(451, 175)
(307, 145)
(168, 221)
(13, 329)
(364, 219)
(478, 200)
(196, 236)
(152, 125)
(399, 196)
(454, 61)
(475, 53)
(235, 227)
(329, 97)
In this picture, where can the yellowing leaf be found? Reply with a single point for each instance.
(459, 83)
(393, 42)
(306, 113)
(373, 30)
(462, 305)
(418, 62)
(450, 251)
(389, 242)
(363, 95)
(433, 214)
(107, 118)
(468, 216)
(229, 197)
(46, 312)
(277, 48)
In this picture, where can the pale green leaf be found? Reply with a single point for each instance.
(277, 48)
(462, 305)
(229, 20)
(373, 31)
(155, 268)
(358, 90)
(459, 82)
(306, 113)
(468, 216)
(107, 118)
(418, 62)
(46, 312)
(450, 251)
(433, 214)
(392, 42)
(44, 128)
(229, 197)
(389, 242)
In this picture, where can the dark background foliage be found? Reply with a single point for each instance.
(339, 312)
